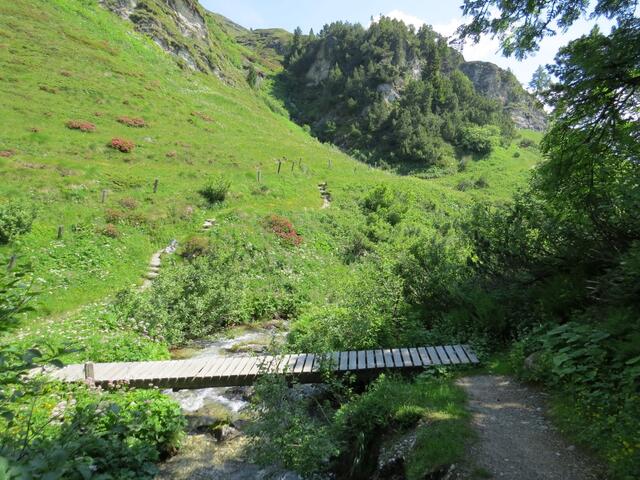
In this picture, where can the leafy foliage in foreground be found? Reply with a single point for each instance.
(563, 259)
(76, 433)
(49, 430)
(315, 436)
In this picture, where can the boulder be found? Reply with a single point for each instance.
(207, 418)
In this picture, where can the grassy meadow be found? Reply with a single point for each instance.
(95, 69)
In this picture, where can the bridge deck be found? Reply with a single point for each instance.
(244, 370)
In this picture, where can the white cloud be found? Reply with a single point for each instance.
(405, 17)
(485, 49)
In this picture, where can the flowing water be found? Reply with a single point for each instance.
(205, 456)
(232, 398)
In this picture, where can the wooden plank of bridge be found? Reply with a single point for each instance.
(461, 355)
(249, 372)
(415, 357)
(424, 356)
(388, 358)
(144, 374)
(443, 356)
(182, 370)
(319, 361)
(433, 355)
(299, 363)
(397, 358)
(264, 365)
(379, 359)
(470, 353)
(239, 372)
(335, 361)
(291, 363)
(283, 363)
(110, 370)
(362, 360)
(406, 357)
(451, 354)
(213, 368)
(353, 360)
(172, 372)
(308, 363)
(371, 361)
(344, 361)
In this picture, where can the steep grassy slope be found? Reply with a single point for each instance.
(67, 60)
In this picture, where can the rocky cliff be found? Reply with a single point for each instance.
(494, 82)
(177, 26)
(200, 40)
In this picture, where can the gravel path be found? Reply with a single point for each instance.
(515, 439)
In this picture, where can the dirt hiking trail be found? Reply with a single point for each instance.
(515, 439)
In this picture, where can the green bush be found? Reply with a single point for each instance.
(215, 190)
(230, 285)
(194, 246)
(93, 435)
(526, 143)
(341, 432)
(15, 219)
(477, 140)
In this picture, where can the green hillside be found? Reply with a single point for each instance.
(93, 68)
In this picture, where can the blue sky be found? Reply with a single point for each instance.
(444, 15)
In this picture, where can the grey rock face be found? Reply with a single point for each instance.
(187, 17)
(320, 68)
(124, 8)
(389, 93)
(494, 82)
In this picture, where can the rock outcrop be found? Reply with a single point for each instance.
(502, 85)
(178, 26)
(321, 66)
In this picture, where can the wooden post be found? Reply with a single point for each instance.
(104, 196)
(279, 165)
(293, 164)
(155, 186)
(259, 175)
(329, 164)
(60, 231)
(89, 371)
(12, 262)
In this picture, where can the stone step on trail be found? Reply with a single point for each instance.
(324, 193)
(155, 263)
(208, 224)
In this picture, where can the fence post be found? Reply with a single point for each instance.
(293, 164)
(89, 371)
(155, 186)
(279, 165)
(60, 231)
(329, 163)
(104, 196)
(259, 175)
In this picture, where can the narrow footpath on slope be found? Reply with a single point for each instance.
(516, 441)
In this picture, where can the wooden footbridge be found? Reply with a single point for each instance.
(226, 371)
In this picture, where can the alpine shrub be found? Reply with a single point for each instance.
(15, 219)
